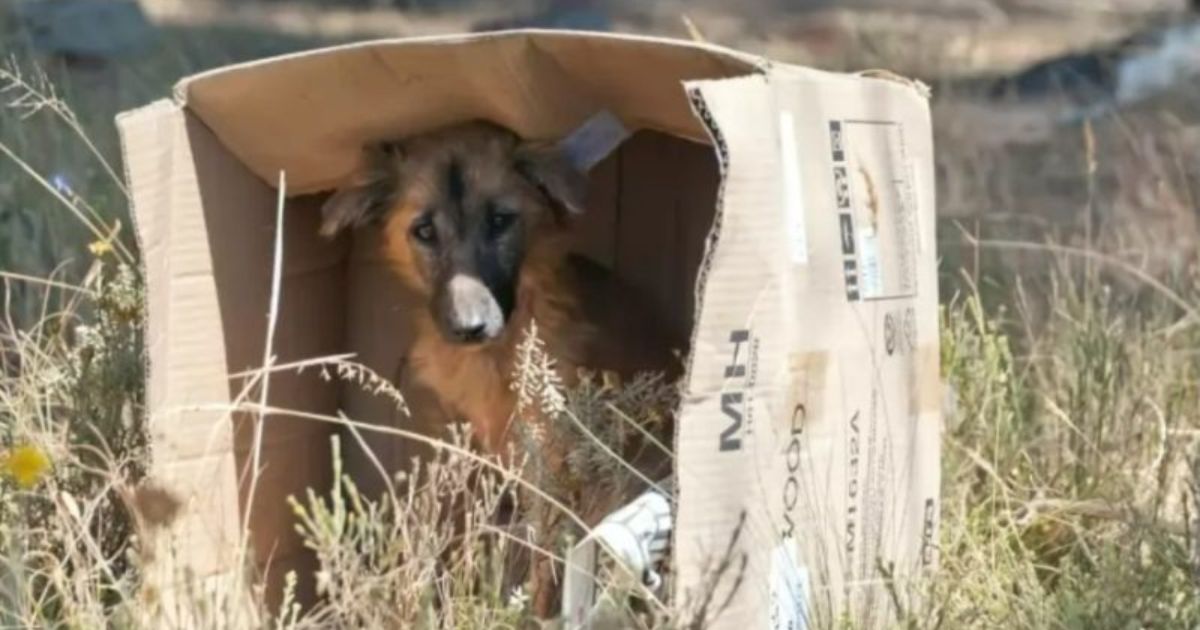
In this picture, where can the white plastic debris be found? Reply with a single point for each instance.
(635, 536)
(594, 140)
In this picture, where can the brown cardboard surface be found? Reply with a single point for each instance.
(806, 408)
(191, 449)
(540, 85)
(202, 172)
(206, 249)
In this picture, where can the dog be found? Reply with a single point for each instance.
(478, 223)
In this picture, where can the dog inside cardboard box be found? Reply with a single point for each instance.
(649, 210)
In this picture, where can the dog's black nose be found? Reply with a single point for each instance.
(471, 333)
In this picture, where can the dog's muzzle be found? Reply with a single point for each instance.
(472, 314)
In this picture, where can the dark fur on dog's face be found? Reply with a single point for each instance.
(463, 209)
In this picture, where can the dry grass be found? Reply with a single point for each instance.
(1071, 460)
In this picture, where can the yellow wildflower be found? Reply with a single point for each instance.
(26, 465)
(101, 247)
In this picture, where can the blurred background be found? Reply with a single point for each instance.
(1014, 84)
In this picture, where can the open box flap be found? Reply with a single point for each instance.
(310, 113)
(186, 369)
(808, 440)
(201, 221)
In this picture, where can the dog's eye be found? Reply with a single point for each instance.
(423, 231)
(499, 221)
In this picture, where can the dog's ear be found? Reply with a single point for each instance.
(370, 192)
(552, 173)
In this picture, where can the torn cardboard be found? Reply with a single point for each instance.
(804, 439)
(781, 218)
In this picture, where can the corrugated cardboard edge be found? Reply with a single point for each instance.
(182, 87)
(175, 583)
(887, 75)
(720, 146)
(121, 120)
(717, 139)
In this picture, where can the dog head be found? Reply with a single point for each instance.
(463, 208)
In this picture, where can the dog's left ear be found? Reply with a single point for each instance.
(548, 169)
(366, 198)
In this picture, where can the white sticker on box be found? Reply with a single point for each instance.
(789, 589)
(871, 277)
(793, 191)
(873, 189)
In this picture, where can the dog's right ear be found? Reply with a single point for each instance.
(370, 193)
(549, 170)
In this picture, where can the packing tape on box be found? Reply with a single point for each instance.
(930, 395)
(635, 536)
(593, 141)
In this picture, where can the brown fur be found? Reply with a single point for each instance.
(586, 318)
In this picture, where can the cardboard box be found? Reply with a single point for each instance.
(782, 217)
